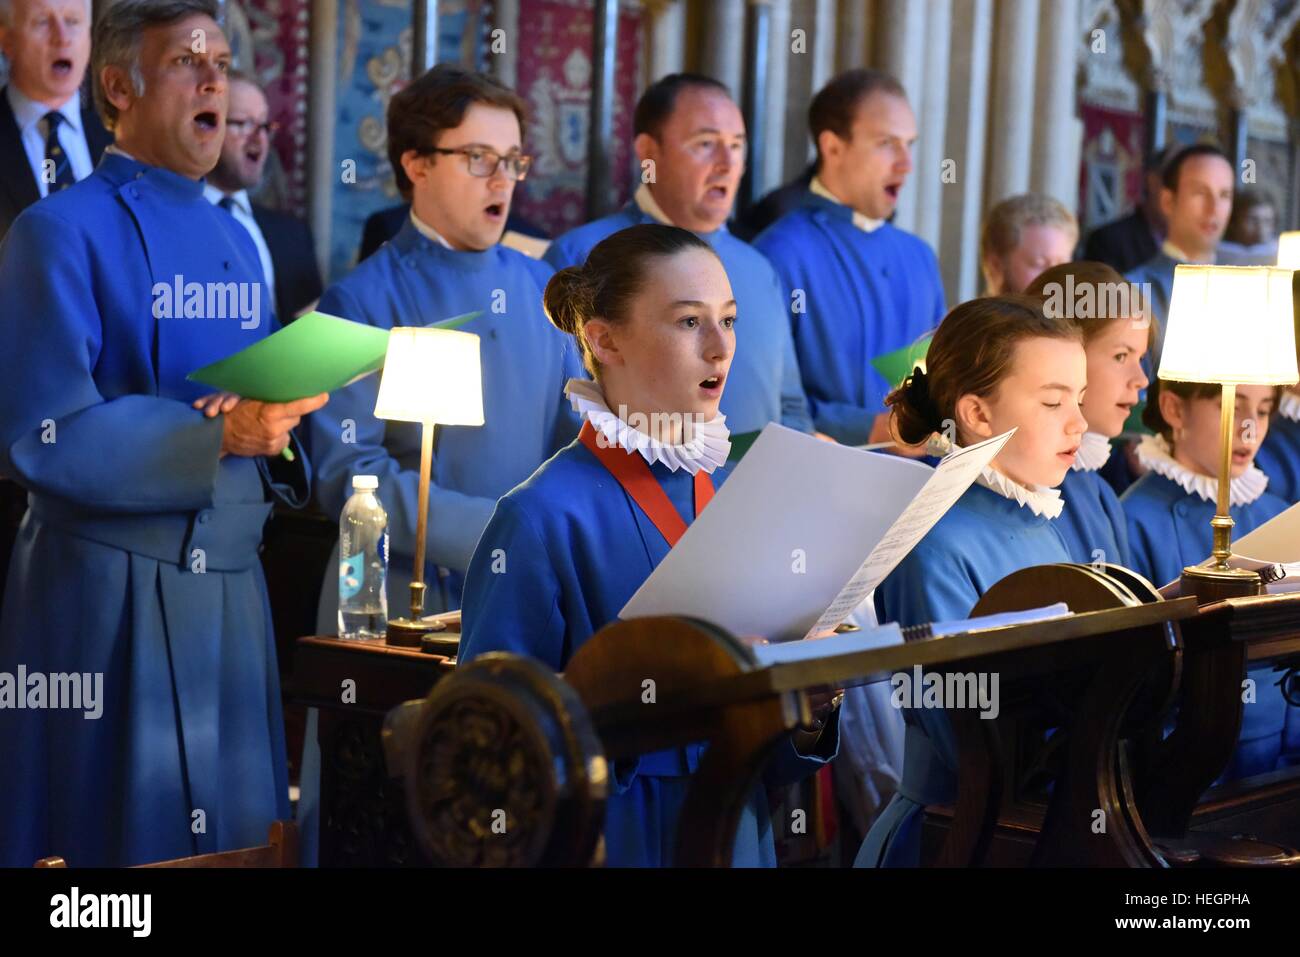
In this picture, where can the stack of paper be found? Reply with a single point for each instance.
(801, 533)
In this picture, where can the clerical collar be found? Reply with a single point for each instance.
(214, 196)
(860, 220)
(1039, 499)
(708, 448)
(1154, 452)
(1289, 407)
(427, 231)
(1173, 252)
(645, 201)
(1094, 452)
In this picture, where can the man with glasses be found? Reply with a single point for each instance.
(284, 243)
(455, 143)
(690, 142)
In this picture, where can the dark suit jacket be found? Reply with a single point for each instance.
(293, 256)
(386, 223)
(1123, 244)
(18, 188)
(773, 206)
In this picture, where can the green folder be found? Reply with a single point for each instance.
(740, 444)
(313, 354)
(897, 365)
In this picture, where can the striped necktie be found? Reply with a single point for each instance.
(55, 156)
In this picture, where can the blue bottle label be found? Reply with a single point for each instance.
(352, 575)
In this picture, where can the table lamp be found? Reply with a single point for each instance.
(1229, 325)
(1288, 251)
(431, 376)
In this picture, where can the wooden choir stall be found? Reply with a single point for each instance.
(1112, 725)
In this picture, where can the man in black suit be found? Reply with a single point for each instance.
(284, 243)
(49, 138)
(1131, 240)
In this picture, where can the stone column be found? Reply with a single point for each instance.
(1012, 109)
(932, 117)
(901, 50)
(967, 133)
(1057, 130)
(667, 37)
(724, 43)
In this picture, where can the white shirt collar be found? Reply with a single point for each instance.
(118, 151)
(1289, 407)
(427, 231)
(860, 220)
(1094, 452)
(1153, 452)
(1173, 252)
(1039, 499)
(645, 201)
(29, 112)
(707, 448)
(240, 198)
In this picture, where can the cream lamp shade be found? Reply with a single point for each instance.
(1288, 251)
(432, 376)
(1230, 325)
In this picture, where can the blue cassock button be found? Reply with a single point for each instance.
(204, 517)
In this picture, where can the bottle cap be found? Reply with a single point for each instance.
(363, 482)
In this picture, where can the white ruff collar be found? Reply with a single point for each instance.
(1094, 452)
(1289, 407)
(1038, 499)
(708, 448)
(1153, 452)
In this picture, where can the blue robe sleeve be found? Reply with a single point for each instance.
(511, 600)
(58, 434)
(1144, 551)
(1118, 521)
(455, 520)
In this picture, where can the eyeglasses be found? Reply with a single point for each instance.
(240, 125)
(484, 163)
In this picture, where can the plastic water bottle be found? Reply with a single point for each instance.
(363, 563)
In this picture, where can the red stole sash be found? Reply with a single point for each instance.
(632, 472)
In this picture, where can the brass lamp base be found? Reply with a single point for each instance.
(1210, 583)
(408, 632)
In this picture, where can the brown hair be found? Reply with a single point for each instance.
(1154, 419)
(1099, 277)
(970, 354)
(614, 273)
(1001, 232)
(659, 100)
(835, 104)
(437, 101)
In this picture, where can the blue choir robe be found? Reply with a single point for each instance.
(853, 296)
(138, 557)
(763, 384)
(1279, 458)
(1169, 529)
(983, 538)
(414, 281)
(1092, 523)
(561, 556)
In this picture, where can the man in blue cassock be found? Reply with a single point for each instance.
(140, 712)
(690, 140)
(858, 287)
(1197, 202)
(454, 140)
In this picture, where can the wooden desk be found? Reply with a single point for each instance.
(363, 821)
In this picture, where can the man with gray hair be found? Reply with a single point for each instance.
(1023, 237)
(49, 139)
(138, 556)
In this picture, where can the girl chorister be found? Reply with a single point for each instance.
(994, 364)
(1169, 511)
(1279, 455)
(653, 312)
(1092, 521)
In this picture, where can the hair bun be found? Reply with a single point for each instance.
(568, 299)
